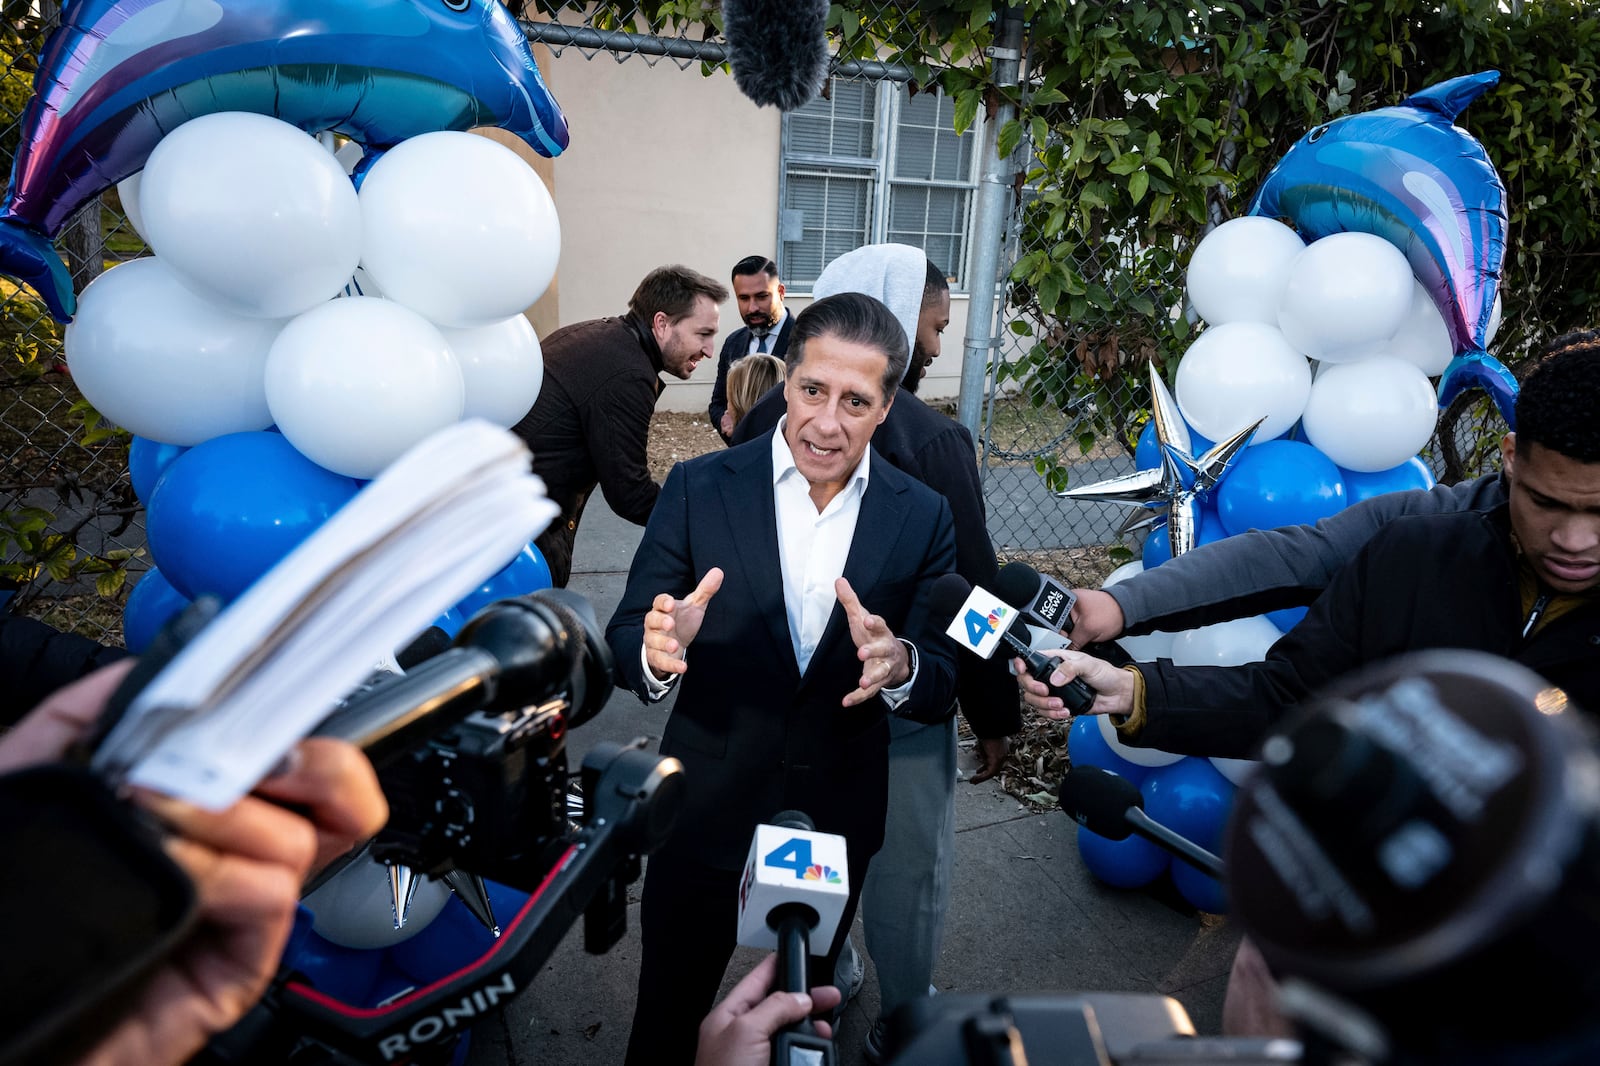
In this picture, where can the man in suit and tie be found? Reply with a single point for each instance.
(767, 324)
(783, 587)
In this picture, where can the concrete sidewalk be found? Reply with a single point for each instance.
(1025, 915)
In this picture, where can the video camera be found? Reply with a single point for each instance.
(470, 747)
(1418, 860)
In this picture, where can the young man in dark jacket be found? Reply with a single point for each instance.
(1516, 578)
(591, 423)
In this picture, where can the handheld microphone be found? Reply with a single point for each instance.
(778, 49)
(1043, 599)
(793, 893)
(1112, 806)
(982, 621)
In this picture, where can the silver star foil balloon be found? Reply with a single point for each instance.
(1172, 492)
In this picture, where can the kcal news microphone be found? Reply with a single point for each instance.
(1041, 598)
(982, 621)
(793, 893)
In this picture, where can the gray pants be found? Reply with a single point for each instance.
(907, 891)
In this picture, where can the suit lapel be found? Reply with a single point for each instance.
(878, 525)
(753, 523)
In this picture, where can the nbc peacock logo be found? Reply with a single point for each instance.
(815, 872)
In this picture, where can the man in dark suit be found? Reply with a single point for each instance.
(751, 592)
(766, 329)
(909, 893)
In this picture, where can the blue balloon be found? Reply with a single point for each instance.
(1158, 548)
(451, 621)
(1146, 456)
(1130, 863)
(151, 604)
(348, 975)
(526, 573)
(228, 509)
(1279, 483)
(1414, 473)
(1287, 618)
(1086, 746)
(1204, 892)
(146, 460)
(1193, 799)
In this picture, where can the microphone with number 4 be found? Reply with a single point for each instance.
(792, 896)
(982, 621)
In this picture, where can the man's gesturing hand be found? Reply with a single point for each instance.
(885, 663)
(671, 625)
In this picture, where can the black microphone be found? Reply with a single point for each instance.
(1043, 599)
(424, 646)
(1112, 806)
(778, 49)
(947, 599)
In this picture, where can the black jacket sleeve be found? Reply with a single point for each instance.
(36, 659)
(985, 688)
(617, 433)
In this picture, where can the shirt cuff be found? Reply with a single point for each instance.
(1130, 725)
(896, 696)
(654, 690)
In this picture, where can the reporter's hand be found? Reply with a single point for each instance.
(1112, 684)
(992, 754)
(247, 864)
(671, 625)
(739, 1030)
(1096, 617)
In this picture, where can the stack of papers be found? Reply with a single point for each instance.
(433, 527)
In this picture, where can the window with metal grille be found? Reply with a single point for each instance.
(873, 163)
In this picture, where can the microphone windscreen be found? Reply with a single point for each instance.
(949, 592)
(1017, 584)
(424, 646)
(793, 820)
(1098, 800)
(778, 49)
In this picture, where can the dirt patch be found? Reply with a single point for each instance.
(676, 436)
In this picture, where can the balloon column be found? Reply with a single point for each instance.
(262, 376)
(1324, 350)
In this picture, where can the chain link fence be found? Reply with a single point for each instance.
(1064, 400)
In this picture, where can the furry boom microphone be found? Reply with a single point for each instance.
(778, 49)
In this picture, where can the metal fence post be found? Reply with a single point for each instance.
(988, 231)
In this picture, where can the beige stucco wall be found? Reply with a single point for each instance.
(668, 166)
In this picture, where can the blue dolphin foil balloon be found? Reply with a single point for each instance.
(118, 75)
(1410, 175)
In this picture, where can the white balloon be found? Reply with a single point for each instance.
(1494, 322)
(1238, 270)
(128, 195)
(355, 382)
(502, 366)
(1238, 372)
(1151, 646)
(1422, 338)
(251, 213)
(355, 907)
(164, 364)
(1372, 415)
(1237, 771)
(1137, 756)
(1230, 643)
(1344, 290)
(459, 229)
